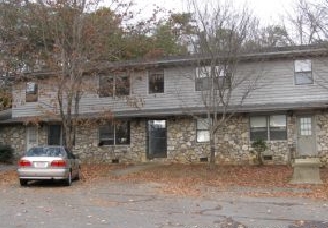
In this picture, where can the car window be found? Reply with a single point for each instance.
(45, 152)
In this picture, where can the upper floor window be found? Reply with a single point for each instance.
(208, 77)
(202, 130)
(31, 92)
(110, 86)
(303, 72)
(117, 133)
(268, 128)
(156, 80)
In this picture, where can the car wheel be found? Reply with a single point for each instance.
(23, 182)
(68, 180)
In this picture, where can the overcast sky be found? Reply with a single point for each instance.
(268, 10)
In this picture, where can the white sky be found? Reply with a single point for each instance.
(269, 11)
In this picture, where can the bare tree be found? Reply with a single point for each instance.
(66, 41)
(309, 22)
(221, 34)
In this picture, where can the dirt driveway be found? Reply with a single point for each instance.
(130, 202)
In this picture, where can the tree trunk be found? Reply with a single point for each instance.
(212, 152)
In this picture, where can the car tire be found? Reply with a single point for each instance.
(68, 180)
(23, 182)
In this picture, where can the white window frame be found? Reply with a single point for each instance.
(204, 130)
(270, 125)
(205, 72)
(156, 72)
(303, 68)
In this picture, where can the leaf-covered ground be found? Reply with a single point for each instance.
(199, 179)
(256, 181)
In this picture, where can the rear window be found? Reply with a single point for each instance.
(45, 152)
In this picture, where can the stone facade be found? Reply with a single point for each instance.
(233, 144)
(15, 136)
(322, 136)
(88, 148)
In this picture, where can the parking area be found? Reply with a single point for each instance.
(129, 203)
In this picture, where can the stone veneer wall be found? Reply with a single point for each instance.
(233, 145)
(322, 136)
(15, 136)
(87, 144)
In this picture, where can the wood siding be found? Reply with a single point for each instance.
(275, 86)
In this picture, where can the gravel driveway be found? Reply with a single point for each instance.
(118, 204)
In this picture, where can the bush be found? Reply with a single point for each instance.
(6, 154)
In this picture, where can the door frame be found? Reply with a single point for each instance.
(314, 134)
(28, 144)
(148, 140)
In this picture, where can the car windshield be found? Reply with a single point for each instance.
(45, 152)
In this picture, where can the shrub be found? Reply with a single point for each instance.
(6, 154)
(259, 146)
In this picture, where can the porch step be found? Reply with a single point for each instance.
(306, 171)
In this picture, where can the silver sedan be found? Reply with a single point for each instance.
(49, 163)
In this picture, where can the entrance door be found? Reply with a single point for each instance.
(54, 135)
(306, 139)
(157, 142)
(32, 136)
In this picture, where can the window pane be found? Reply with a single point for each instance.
(278, 133)
(122, 133)
(31, 87)
(258, 121)
(156, 81)
(203, 124)
(106, 135)
(202, 84)
(259, 133)
(303, 65)
(122, 85)
(203, 136)
(278, 121)
(203, 72)
(106, 86)
(302, 78)
(31, 92)
(306, 126)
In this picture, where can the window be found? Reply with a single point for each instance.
(205, 78)
(202, 130)
(110, 86)
(268, 128)
(31, 92)
(114, 134)
(306, 126)
(303, 72)
(156, 81)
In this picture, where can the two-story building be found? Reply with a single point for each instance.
(159, 112)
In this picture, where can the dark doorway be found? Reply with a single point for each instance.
(157, 141)
(54, 136)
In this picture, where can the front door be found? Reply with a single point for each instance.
(54, 135)
(157, 142)
(306, 138)
(32, 136)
